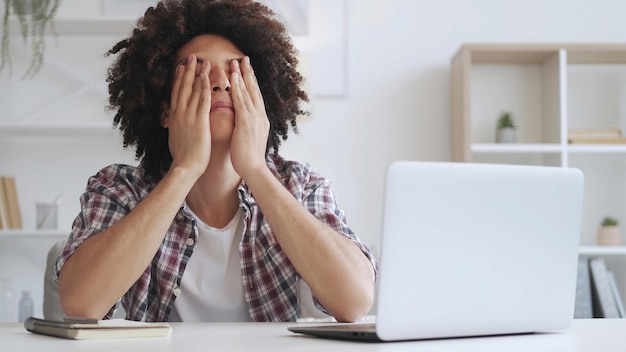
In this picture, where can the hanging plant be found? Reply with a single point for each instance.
(33, 17)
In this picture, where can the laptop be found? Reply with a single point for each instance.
(473, 249)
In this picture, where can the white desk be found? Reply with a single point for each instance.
(584, 335)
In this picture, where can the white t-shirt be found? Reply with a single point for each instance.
(211, 287)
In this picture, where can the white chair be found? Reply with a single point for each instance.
(51, 303)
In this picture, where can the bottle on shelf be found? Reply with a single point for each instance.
(7, 302)
(26, 306)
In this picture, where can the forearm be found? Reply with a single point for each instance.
(335, 269)
(106, 265)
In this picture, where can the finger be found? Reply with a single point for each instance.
(194, 97)
(236, 94)
(251, 82)
(178, 76)
(197, 90)
(245, 96)
(188, 79)
(205, 95)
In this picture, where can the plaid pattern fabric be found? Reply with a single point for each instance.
(269, 278)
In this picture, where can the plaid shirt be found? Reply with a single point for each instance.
(268, 277)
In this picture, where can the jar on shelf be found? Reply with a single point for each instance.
(26, 306)
(7, 302)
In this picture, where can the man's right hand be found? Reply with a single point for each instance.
(188, 120)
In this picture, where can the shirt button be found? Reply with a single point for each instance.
(176, 292)
(190, 241)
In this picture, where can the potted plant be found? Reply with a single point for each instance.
(505, 132)
(34, 16)
(609, 233)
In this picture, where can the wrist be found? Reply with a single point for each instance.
(255, 174)
(182, 176)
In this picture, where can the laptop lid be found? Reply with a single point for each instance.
(477, 249)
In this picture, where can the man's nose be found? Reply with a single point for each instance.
(219, 80)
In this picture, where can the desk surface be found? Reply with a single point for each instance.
(583, 335)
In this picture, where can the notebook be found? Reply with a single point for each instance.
(473, 249)
(87, 329)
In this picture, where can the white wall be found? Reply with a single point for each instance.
(398, 66)
(396, 106)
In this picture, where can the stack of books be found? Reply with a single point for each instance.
(607, 135)
(86, 329)
(10, 214)
(597, 293)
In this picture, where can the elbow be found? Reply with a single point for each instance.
(74, 304)
(80, 311)
(355, 308)
(352, 314)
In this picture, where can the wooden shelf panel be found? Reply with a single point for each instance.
(516, 148)
(537, 53)
(548, 148)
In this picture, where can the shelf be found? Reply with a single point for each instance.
(602, 250)
(515, 148)
(596, 148)
(114, 26)
(33, 234)
(547, 148)
(56, 129)
(537, 53)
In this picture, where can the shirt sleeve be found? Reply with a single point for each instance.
(108, 197)
(319, 198)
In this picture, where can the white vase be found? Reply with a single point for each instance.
(505, 135)
(609, 236)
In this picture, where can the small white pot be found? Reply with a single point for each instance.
(506, 135)
(609, 236)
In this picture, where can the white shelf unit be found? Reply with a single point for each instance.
(549, 88)
(65, 109)
(80, 85)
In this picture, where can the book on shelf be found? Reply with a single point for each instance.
(616, 294)
(592, 140)
(598, 132)
(88, 329)
(5, 217)
(604, 303)
(3, 209)
(583, 307)
(10, 208)
(608, 135)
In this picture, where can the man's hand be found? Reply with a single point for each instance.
(252, 126)
(188, 120)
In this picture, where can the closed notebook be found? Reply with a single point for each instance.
(604, 302)
(79, 329)
(583, 308)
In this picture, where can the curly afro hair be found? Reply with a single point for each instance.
(140, 79)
